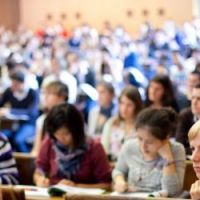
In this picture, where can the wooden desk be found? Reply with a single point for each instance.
(75, 197)
(10, 121)
(108, 197)
(190, 175)
(50, 198)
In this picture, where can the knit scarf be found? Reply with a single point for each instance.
(68, 160)
(107, 112)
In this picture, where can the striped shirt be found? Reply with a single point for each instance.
(8, 170)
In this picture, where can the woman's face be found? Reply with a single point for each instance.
(149, 144)
(64, 137)
(105, 97)
(126, 108)
(155, 92)
(195, 146)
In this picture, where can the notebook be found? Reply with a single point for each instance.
(59, 190)
(33, 192)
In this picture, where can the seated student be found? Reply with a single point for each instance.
(187, 117)
(8, 171)
(104, 109)
(121, 127)
(53, 93)
(192, 80)
(20, 100)
(160, 93)
(194, 139)
(67, 156)
(151, 162)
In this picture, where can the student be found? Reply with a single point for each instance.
(8, 171)
(103, 110)
(160, 93)
(192, 81)
(20, 100)
(67, 156)
(151, 162)
(187, 117)
(194, 139)
(53, 94)
(121, 127)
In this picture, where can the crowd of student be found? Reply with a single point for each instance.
(89, 98)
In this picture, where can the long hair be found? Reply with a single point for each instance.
(66, 115)
(168, 98)
(132, 94)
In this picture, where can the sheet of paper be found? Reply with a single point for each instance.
(135, 194)
(141, 194)
(33, 192)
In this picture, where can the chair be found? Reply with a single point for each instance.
(190, 176)
(11, 193)
(26, 167)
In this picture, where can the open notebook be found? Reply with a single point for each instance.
(33, 192)
(141, 194)
(57, 190)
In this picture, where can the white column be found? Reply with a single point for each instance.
(196, 8)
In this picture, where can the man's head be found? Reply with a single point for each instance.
(193, 80)
(195, 100)
(17, 78)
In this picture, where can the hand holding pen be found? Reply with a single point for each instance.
(40, 179)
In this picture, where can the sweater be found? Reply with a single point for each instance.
(147, 176)
(26, 106)
(94, 167)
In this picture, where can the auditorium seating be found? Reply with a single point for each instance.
(26, 167)
(11, 193)
(190, 176)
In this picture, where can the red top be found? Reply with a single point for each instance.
(94, 167)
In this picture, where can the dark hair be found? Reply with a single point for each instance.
(197, 86)
(107, 85)
(59, 88)
(168, 99)
(197, 67)
(66, 115)
(195, 72)
(160, 122)
(18, 76)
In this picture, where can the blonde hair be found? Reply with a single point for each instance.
(194, 131)
(58, 88)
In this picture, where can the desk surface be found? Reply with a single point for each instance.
(50, 198)
(62, 198)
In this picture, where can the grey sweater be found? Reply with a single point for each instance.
(147, 176)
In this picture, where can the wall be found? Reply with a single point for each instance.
(96, 12)
(9, 13)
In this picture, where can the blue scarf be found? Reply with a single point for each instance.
(68, 160)
(107, 112)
